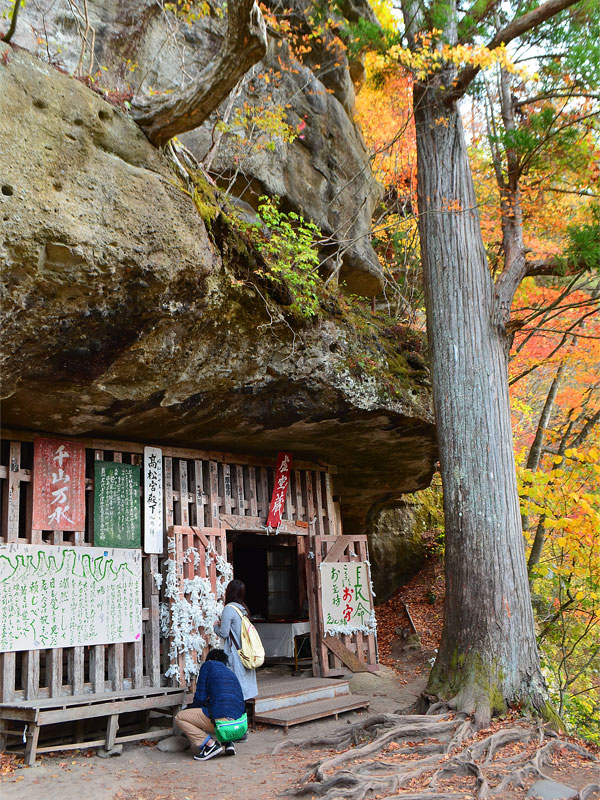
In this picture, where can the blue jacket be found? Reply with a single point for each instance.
(218, 692)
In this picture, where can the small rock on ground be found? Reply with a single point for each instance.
(173, 744)
(551, 790)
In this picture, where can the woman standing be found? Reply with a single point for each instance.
(230, 629)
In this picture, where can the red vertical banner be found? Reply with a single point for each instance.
(58, 485)
(282, 481)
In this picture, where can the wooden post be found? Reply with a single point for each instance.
(316, 628)
(76, 670)
(7, 677)
(252, 489)
(31, 671)
(31, 737)
(168, 498)
(213, 515)
(184, 515)
(152, 630)
(54, 668)
(111, 731)
(12, 496)
(197, 487)
(319, 504)
(239, 487)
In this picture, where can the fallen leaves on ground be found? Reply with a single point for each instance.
(423, 598)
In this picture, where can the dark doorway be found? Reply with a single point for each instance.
(268, 566)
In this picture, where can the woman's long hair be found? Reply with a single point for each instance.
(236, 593)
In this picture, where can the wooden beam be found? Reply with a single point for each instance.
(237, 522)
(347, 657)
(167, 450)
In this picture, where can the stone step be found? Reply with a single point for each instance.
(274, 694)
(317, 709)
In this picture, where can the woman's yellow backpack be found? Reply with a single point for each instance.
(251, 650)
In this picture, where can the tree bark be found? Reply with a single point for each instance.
(488, 656)
(163, 116)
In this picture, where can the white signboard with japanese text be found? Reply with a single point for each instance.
(153, 500)
(57, 596)
(346, 597)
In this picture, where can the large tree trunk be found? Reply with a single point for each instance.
(488, 656)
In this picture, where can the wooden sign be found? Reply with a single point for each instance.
(282, 481)
(116, 505)
(346, 597)
(153, 500)
(56, 596)
(58, 485)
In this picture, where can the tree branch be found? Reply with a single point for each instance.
(555, 96)
(474, 16)
(13, 23)
(511, 31)
(162, 117)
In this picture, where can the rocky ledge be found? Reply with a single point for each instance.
(124, 316)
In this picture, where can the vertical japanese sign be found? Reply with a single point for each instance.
(58, 485)
(116, 505)
(282, 481)
(56, 596)
(346, 597)
(153, 500)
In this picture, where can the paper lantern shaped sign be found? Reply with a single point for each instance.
(58, 485)
(282, 481)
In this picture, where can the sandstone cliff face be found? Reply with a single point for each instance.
(124, 318)
(325, 175)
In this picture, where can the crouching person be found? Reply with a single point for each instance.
(217, 715)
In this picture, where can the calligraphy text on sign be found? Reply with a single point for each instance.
(282, 481)
(153, 500)
(117, 518)
(346, 595)
(58, 485)
(56, 596)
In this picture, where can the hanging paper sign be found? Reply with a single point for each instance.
(56, 596)
(116, 505)
(58, 485)
(346, 597)
(153, 500)
(282, 481)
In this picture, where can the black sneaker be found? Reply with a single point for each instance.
(229, 749)
(209, 751)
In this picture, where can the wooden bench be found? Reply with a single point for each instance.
(48, 711)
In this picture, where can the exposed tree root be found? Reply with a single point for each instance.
(410, 756)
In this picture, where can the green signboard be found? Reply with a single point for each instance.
(116, 505)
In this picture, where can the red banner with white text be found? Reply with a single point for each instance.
(282, 481)
(58, 485)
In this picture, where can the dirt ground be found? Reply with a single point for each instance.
(145, 773)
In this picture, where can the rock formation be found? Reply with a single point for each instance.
(123, 317)
(324, 174)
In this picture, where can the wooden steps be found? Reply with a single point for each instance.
(291, 701)
(315, 709)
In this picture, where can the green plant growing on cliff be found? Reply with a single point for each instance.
(289, 246)
(12, 13)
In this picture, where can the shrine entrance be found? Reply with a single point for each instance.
(273, 570)
(300, 585)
